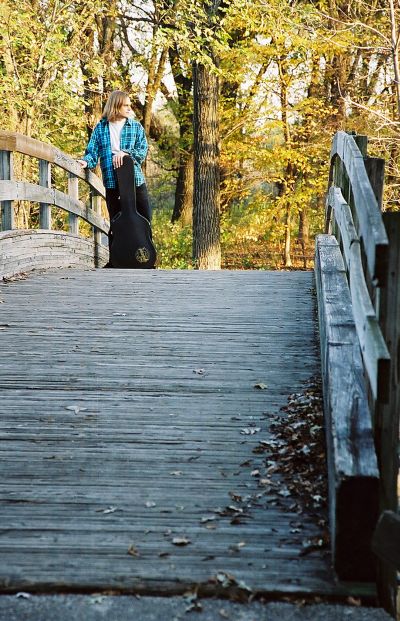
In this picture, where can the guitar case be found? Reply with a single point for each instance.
(131, 241)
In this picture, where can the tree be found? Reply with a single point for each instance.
(206, 204)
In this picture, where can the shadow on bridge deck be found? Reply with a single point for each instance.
(125, 400)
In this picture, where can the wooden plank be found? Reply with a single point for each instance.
(45, 181)
(387, 415)
(375, 168)
(128, 362)
(24, 251)
(13, 141)
(386, 539)
(25, 191)
(95, 203)
(371, 228)
(352, 467)
(6, 173)
(73, 192)
(373, 347)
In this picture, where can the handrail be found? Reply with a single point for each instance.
(357, 271)
(11, 189)
(373, 347)
(13, 141)
(357, 190)
(42, 192)
(358, 225)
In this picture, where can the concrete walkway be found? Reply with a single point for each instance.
(129, 608)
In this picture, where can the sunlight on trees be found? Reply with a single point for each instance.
(286, 76)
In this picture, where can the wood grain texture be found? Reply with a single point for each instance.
(24, 251)
(13, 141)
(22, 190)
(124, 400)
(368, 215)
(373, 347)
(352, 464)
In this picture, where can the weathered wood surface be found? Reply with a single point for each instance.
(22, 190)
(13, 141)
(6, 172)
(366, 207)
(27, 250)
(386, 539)
(373, 347)
(124, 399)
(352, 464)
(386, 416)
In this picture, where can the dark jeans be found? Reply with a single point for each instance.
(142, 203)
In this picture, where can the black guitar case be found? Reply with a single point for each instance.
(131, 242)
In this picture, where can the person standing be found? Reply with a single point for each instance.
(116, 135)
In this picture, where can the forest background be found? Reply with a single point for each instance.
(285, 76)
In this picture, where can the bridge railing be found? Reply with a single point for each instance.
(357, 271)
(22, 250)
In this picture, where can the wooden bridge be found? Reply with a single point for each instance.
(142, 411)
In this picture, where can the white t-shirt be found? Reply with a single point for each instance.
(115, 134)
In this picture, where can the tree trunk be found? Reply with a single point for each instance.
(395, 55)
(287, 184)
(183, 208)
(288, 222)
(206, 204)
(304, 234)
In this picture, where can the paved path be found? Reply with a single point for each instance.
(128, 608)
(129, 419)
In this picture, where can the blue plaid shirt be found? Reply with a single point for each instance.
(133, 141)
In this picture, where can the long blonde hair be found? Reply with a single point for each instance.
(113, 105)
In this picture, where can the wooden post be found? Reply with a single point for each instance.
(73, 192)
(95, 200)
(387, 415)
(45, 181)
(375, 167)
(362, 143)
(386, 539)
(6, 173)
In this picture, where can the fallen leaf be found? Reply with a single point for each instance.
(250, 431)
(194, 604)
(227, 580)
(199, 371)
(260, 386)
(23, 595)
(181, 541)
(236, 547)
(150, 504)
(97, 599)
(176, 473)
(75, 408)
(354, 601)
(133, 551)
(108, 510)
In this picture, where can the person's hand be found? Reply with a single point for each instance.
(118, 158)
(83, 163)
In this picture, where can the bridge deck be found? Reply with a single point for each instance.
(126, 397)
